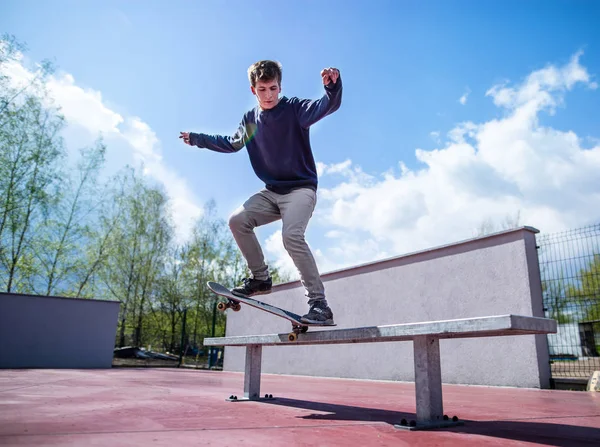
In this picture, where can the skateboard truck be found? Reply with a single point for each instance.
(230, 304)
(297, 329)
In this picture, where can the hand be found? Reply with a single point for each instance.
(186, 137)
(330, 75)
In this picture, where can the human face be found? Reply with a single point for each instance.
(267, 93)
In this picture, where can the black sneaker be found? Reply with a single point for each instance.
(251, 287)
(319, 313)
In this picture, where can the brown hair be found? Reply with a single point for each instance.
(264, 71)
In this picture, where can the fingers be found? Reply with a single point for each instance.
(185, 136)
(335, 74)
(330, 75)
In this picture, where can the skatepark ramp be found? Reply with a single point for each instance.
(426, 346)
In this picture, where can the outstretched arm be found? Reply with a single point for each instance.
(311, 111)
(217, 143)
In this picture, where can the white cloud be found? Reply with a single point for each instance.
(129, 139)
(83, 107)
(542, 89)
(464, 97)
(487, 171)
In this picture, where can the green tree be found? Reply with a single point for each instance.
(30, 152)
(587, 291)
(556, 299)
(99, 246)
(167, 306)
(65, 232)
(138, 243)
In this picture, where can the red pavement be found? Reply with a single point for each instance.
(170, 407)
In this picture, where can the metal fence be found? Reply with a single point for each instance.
(570, 269)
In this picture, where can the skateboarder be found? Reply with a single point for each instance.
(276, 136)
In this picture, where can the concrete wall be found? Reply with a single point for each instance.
(55, 332)
(492, 275)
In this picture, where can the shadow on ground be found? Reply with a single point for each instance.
(526, 430)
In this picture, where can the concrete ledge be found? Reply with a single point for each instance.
(492, 326)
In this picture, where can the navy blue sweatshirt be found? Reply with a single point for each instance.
(278, 140)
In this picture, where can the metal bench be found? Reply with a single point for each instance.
(425, 337)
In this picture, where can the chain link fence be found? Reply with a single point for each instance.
(570, 270)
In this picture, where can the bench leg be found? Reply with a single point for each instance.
(252, 373)
(252, 376)
(428, 385)
(428, 379)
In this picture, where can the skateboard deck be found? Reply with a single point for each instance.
(234, 301)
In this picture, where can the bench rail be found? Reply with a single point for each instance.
(461, 328)
(426, 344)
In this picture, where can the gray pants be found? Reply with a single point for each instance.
(295, 210)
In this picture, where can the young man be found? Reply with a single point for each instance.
(276, 136)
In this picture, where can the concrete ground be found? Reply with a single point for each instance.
(178, 407)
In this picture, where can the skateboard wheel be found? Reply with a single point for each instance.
(292, 337)
(413, 423)
(236, 307)
(404, 422)
(304, 329)
(221, 306)
(446, 417)
(454, 419)
(270, 396)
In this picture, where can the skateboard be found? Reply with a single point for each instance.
(233, 303)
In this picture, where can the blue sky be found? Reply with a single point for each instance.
(406, 165)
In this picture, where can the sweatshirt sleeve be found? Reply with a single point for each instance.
(219, 143)
(310, 111)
